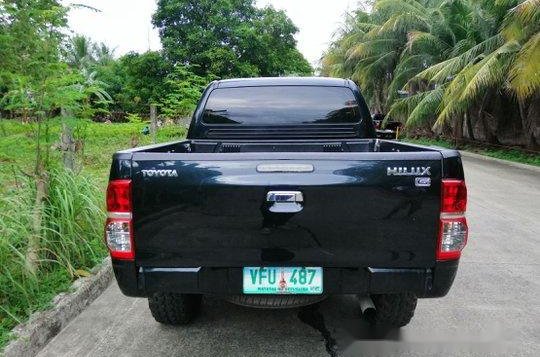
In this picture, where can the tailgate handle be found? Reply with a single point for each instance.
(285, 201)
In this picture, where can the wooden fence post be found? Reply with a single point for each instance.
(67, 142)
(153, 122)
(2, 127)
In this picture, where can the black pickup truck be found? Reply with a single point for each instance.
(280, 196)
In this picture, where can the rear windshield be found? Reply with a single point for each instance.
(281, 105)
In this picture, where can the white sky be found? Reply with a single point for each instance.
(126, 24)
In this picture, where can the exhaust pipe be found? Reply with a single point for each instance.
(366, 305)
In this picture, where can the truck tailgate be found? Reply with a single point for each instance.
(357, 209)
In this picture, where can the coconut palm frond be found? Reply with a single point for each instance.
(407, 68)
(522, 21)
(377, 68)
(451, 104)
(443, 71)
(422, 42)
(403, 107)
(489, 72)
(404, 22)
(371, 47)
(400, 110)
(399, 6)
(525, 71)
(526, 11)
(427, 108)
(366, 27)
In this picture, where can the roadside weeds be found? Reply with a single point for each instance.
(43, 326)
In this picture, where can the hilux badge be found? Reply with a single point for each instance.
(408, 171)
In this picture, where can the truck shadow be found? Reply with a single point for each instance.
(328, 327)
(339, 320)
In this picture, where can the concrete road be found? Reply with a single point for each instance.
(492, 309)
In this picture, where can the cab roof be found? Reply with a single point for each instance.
(282, 81)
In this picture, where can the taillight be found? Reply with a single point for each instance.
(453, 228)
(453, 196)
(119, 196)
(118, 227)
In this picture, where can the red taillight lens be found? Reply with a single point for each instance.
(453, 229)
(119, 196)
(453, 196)
(119, 228)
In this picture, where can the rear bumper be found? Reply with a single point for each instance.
(143, 281)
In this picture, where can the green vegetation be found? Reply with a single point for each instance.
(18, 142)
(461, 67)
(71, 236)
(70, 243)
(229, 38)
(202, 41)
(135, 81)
(516, 155)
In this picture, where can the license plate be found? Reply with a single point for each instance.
(283, 280)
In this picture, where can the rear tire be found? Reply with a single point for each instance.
(174, 309)
(392, 310)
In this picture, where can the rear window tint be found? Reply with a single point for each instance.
(267, 105)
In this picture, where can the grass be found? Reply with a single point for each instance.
(17, 145)
(73, 213)
(516, 155)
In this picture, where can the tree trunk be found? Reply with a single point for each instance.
(458, 131)
(489, 136)
(34, 241)
(470, 129)
(529, 119)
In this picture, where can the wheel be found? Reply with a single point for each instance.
(174, 309)
(392, 310)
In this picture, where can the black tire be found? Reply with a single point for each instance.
(174, 309)
(392, 310)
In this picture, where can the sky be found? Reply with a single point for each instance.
(126, 24)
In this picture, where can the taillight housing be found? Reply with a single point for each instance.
(453, 196)
(119, 196)
(119, 226)
(453, 229)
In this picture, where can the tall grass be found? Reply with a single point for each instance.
(73, 221)
(71, 242)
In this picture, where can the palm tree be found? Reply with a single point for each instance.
(453, 58)
(103, 54)
(523, 28)
(79, 52)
